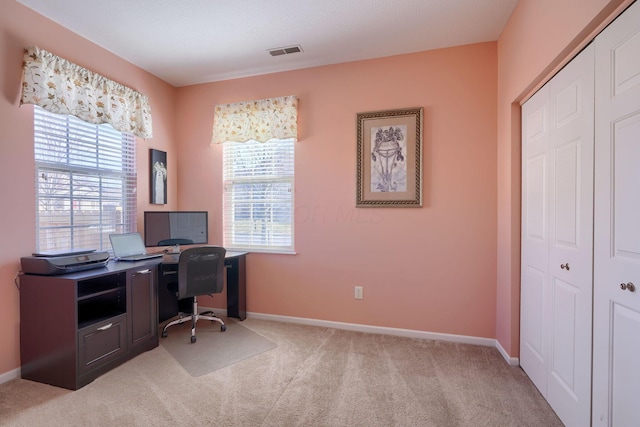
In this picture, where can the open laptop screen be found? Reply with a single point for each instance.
(127, 244)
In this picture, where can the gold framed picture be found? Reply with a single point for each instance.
(389, 170)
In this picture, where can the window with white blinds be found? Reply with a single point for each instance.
(258, 195)
(85, 183)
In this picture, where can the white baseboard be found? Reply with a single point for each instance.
(407, 333)
(512, 361)
(8, 376)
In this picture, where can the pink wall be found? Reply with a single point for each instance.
(20, 27)
(429, 269)
(436, 269)
(438, 266)
(540, 36)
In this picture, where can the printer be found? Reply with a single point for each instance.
(49, 264)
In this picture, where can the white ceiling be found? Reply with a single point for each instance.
(187, 42)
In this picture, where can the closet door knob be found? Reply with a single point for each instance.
(565, 266)
(628, 287)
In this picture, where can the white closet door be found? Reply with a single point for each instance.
(557, 239)
(616, 354)
(535, 243)
(571, 240)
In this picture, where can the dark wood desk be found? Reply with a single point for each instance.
(236, 285)
(75, 327)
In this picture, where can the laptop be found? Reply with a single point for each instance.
(130, 247)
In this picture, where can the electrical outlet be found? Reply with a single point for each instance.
(358, 292)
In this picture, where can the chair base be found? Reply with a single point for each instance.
(194, 317)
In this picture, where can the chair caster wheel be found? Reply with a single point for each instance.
(223, 328)
(164, 334)
(193, 339)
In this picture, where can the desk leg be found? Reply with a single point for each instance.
(236, 287)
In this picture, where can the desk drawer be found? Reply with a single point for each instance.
(101, 343)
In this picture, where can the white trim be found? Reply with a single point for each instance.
(512, 361)
(8, 376)
(407, 333)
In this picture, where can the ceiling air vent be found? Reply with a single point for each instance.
(285, 50)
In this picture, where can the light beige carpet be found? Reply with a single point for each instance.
(213, 348)
(314, 377)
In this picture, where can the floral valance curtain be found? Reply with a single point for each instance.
(259, 120)
(62, 87)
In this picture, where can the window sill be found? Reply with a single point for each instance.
(261, 251)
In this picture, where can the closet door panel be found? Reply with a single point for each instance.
(534, 285)
(536, 199)
(534, 313)
(616, 332)
(626, 176)
(571, 239)
(567, 195)
(565, 301)
(625, 63)
(625, 375)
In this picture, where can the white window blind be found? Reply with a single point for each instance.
(85, 183)
(258, 195)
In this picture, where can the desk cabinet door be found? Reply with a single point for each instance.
(101, 343)
(142, 307)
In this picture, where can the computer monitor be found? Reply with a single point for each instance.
(167, 228)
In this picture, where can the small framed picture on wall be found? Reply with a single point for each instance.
(158, 176)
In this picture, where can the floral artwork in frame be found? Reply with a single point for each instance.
(389, 169)
(158, 177)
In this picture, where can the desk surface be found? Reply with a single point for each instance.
(114, 266)
(236, 276)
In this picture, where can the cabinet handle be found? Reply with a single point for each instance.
(628, 287)
(105, 327)
(147, 271)
(565, 266)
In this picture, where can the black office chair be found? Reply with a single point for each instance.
(200, 272)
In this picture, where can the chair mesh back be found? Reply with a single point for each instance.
(200, 271)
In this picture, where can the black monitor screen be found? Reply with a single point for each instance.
(171, 228)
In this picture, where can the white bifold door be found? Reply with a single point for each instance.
(557, 239)
(616, 328)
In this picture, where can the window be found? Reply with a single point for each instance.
(258, 195)
(85, 183)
